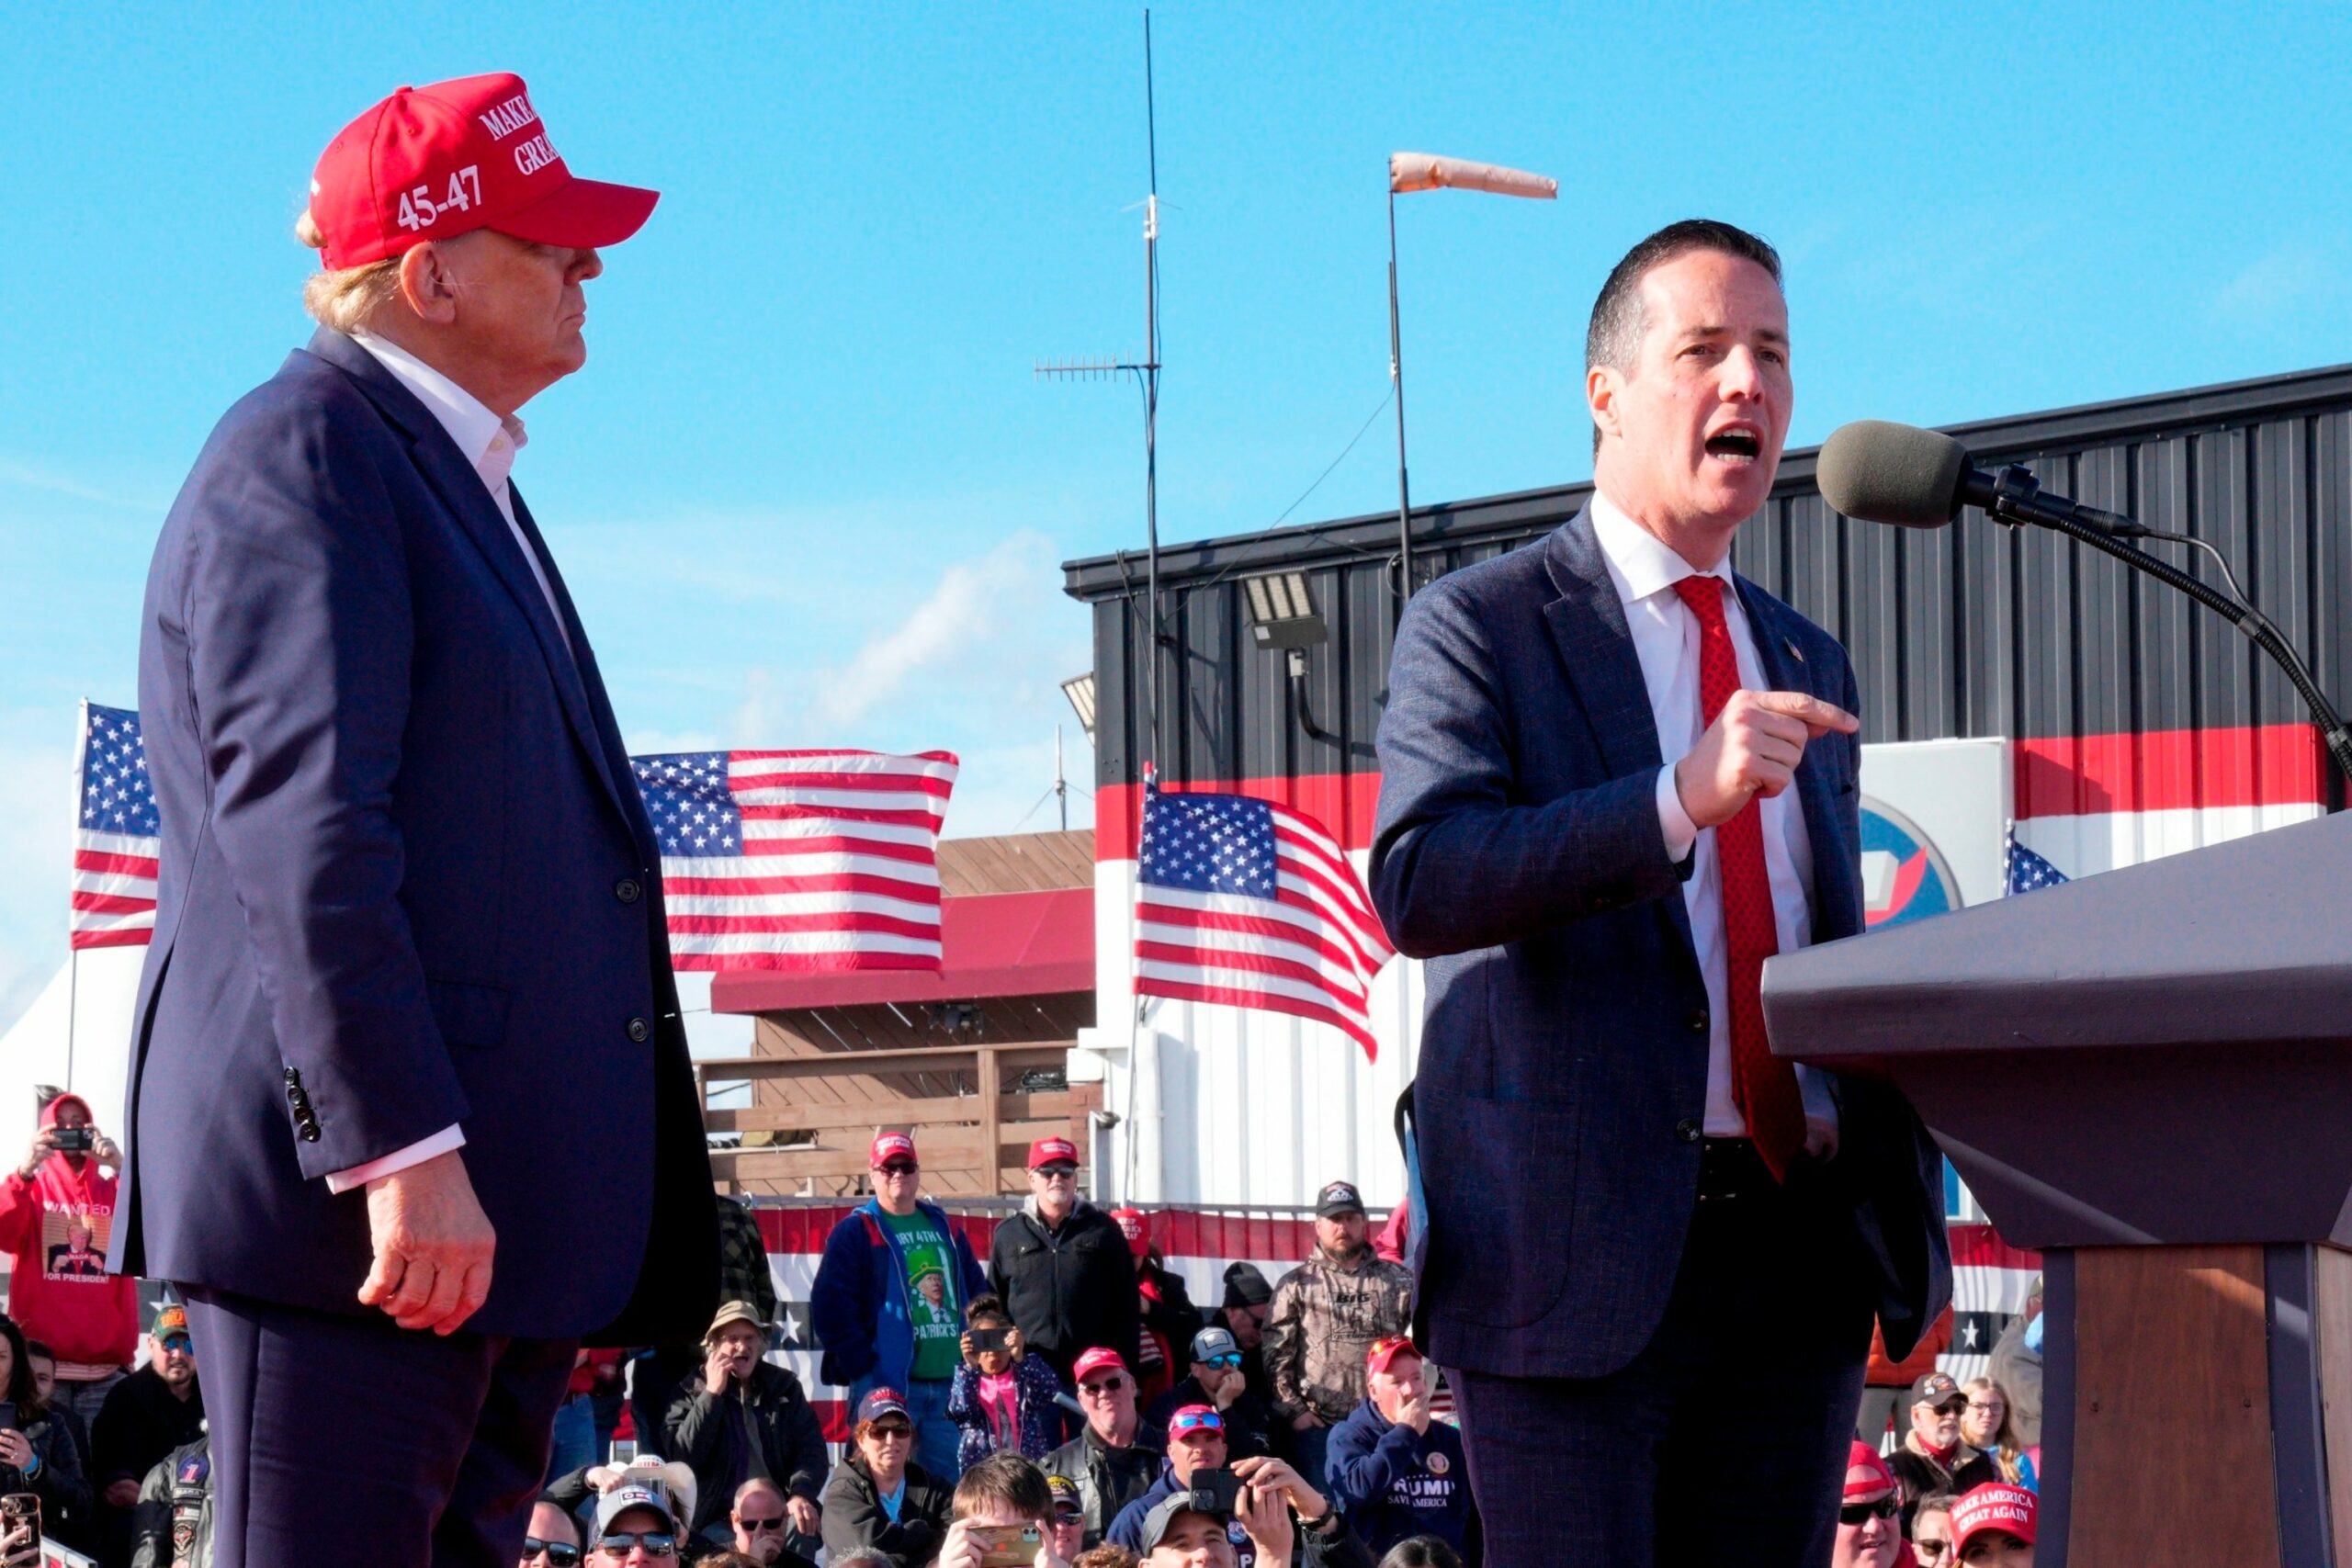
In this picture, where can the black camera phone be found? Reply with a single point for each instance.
(988, 1339)
(1217, 1491)
(8, 1415)
(75, 1140)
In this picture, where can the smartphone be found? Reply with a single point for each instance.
(8, 1414)
(1008, 1546)
(988, 1339)
(624, 1452)
(1217, 1491)
(20, 1523)
(75, 1140)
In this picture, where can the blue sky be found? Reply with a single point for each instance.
(807, 491)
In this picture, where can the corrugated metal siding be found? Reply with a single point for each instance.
(1975, 630)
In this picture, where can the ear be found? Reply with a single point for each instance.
(1601, 385)
(428, 285)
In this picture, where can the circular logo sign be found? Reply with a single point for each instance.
(1439, 1464)
(1904, 877)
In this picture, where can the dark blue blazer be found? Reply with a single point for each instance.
(405, 873)
(1564, 1055)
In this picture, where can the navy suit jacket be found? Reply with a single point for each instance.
(405, 871)
(1564, 1055)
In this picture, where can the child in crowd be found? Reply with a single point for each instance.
(1003, 1395)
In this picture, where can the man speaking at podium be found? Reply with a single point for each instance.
(1615, 779)
(410, 1110)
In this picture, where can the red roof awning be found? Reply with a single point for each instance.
(997, 944)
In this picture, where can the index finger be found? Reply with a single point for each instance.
(1818, 716)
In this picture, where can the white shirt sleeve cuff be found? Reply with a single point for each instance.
(440, 1143)
(1680, 832)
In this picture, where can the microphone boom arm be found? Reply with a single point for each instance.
(2016, 499)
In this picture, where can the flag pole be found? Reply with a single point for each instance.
(1397, 385)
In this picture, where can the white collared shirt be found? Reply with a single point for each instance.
(487, 440)
(1644, 570)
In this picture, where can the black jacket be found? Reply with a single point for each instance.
(177, 1496)
(60, 1480)
(855, 1517)
(708, 1433)
(1108, 1479)
(1070, 1290)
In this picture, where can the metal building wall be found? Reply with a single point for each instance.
(1975, 630)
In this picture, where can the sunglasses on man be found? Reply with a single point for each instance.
(1228, 1361)
(1857, 1513)
(1110, 1384)
(1929, 1551)
(557, 1553)
(901, 1167)
(178, 1343)
(617, 1543)
(756, 1526)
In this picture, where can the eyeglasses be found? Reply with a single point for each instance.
(1067, 1513)
(899, 1167)
(617, 1543)
(177, 1344)
(1057, 1172)
(774, 1524)
(1982, 1406)
(1229, 1360)
(893, 1430)
(1856, 1513)
(556, 1551)
(1110, 1384)
(1929, 1551)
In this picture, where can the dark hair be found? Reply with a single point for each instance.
(1613, 337)
(21, 1388)
(1107, 1555)
(1933, 1503)
(1421, 1552)
(1005, 1477)
(988, 1306)
(38, 1352)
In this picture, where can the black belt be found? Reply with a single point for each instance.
(1730, 1168)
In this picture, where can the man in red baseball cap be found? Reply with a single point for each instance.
(1870, 1534)
(889, 1300)
(411, 940)
(1063, 1267)
(1116, 1458)
(1993, 1526)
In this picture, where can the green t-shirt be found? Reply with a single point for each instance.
(930, 1290)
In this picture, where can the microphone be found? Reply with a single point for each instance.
(1883, 472)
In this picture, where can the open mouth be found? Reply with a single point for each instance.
(1735, 444)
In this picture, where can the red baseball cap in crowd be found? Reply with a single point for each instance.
(1867, 1476)
(887, 1146)
(1135, 1225)
(1996, 1505)
(1386, 1351)
(1194, 1418)
(1096, 1360)
(434, 163)
(1052, 1151)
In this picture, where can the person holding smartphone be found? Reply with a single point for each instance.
(1197, 1455)
(1004, 1517)
(1003, 1396)
(56, 1215)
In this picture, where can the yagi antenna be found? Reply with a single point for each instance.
(1146, 374)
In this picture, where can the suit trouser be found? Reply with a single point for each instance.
(346, 1439)
(1726, 1437)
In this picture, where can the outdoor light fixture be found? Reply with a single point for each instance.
(1282, 611)
(1080, 689)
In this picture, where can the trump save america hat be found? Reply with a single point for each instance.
(434, 163)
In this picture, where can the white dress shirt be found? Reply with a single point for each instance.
(1666, 640)
(489, 442)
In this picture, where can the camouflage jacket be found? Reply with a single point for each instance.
(1323, 1319)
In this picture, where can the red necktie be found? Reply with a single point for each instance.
(1762, 1086)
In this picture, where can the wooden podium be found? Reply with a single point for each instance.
(2147, 1075)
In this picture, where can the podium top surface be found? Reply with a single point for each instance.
(2249, 940)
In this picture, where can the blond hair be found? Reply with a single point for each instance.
(343, 297)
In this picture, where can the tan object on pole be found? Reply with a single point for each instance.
(1427, 170)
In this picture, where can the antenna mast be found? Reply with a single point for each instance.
(1146, 374)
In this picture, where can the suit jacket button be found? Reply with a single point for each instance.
(1699, 1020)
(309, 1132)
(627, 890)
(292, 1075)
(639, 1030)
(1687, 1130)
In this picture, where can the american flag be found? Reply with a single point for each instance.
(115, 835)
(2027, 871)
(1251, 905)
(799, 860)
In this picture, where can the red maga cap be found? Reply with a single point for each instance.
(1383, 1352)
(1867, 1476)
(887, 1146)
(1996, 1505)
(434, 163)
(1052, 1151)
(1135, 1225)
(1094, 1361)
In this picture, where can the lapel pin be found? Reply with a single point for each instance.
(1790, 644)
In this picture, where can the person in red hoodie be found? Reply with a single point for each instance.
(56, 1214)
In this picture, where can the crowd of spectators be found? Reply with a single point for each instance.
(1069, 1404)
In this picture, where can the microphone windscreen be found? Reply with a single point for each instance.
(1883, 472)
